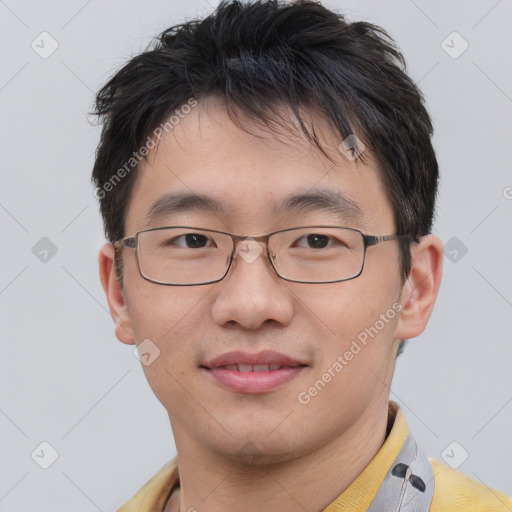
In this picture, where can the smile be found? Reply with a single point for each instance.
(253, 373)
(253, 367)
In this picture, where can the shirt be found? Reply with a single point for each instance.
(453, 491)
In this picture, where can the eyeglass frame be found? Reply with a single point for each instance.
(131, 242)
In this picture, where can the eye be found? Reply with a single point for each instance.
(315, 241)
(189, 241)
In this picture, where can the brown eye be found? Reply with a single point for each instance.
(188, 241)
(314, 241)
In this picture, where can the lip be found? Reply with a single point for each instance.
(253, 381)
(264, 357)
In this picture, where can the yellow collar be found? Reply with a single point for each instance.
(361, 492)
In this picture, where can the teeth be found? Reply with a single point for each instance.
(260, 368)
(253, 367)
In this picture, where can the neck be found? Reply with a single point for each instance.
(213, 483)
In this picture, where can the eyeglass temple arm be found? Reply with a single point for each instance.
(130, 242)
(370, 240)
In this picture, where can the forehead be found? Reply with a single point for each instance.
(210, 166)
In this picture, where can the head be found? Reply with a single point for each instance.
(258, 116)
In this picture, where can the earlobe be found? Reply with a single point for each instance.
(419, 291)
(114, 293)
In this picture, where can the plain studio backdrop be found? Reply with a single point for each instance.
(68, 383)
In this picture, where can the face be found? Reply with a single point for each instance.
(315, 331)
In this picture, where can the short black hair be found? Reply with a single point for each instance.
(264, 54)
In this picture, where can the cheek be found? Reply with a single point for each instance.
(356, 322)
(172, 320)
(355, 355)
(158, 311)
(343, 310)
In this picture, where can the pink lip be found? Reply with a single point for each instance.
(253, 382)
(264, 357)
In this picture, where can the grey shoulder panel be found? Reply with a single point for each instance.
(409, 484)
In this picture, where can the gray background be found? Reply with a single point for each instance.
(66, 380)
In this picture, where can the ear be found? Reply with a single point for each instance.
(419, 291)
(115, 295)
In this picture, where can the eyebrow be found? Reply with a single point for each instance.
(173, 203)
(321, 200)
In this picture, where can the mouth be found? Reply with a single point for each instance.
(253, 373)
(245, 368)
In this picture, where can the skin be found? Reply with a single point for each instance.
(262, 452)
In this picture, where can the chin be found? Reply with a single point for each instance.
(251, 455)
(259, 450)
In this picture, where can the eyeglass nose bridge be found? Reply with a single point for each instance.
(249, 248)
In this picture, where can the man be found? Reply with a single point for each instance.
(267, 183)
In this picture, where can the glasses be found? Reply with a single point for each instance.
(187, 256)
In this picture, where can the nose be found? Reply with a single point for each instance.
(252, 294)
